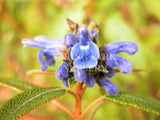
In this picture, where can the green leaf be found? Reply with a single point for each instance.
(28, 100)
(17, 84)
(142, 102)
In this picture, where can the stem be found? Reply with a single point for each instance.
(31, 72)
(102, 98)
(68, 111)
(95, 110)
(135, 70)
(74, 94)
(79, 91)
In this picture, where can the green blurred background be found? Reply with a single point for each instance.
(119, 20)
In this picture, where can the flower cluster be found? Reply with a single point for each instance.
(91, 64)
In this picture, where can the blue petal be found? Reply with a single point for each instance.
(82, 64)
(65, 82)
(83, 35)
(62, 71)
(55, 44)
(32, 43)
(89, 81)
(52, 52)
(44, 43)
(49, 59)
(110, 73)
(85, 56)
(115, 61)
(83, 32)
(94, 49)
(75, 51)
(110, 87)
(70, 40)
(116, 47)
(41, 60)
(80, 75)
(44, 39)
(93, 34)
(41, 38)
(84, 52)
(84, 41)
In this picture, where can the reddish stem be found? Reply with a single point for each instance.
(79, 91)
(31, 72)
(100, 99)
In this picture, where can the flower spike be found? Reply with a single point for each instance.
(80, 50)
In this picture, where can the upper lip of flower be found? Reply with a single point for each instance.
(116, 47)
(44, 42)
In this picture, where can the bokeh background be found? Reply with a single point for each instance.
(118, 20)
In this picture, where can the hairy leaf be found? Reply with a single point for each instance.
(28, 100)
(17, 84)
(139, 101)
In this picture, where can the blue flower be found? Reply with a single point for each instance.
(89, 81)
(85, 53)
(81, 76)
(112, 49)
(63, 74)
(70, 40)
(93, 34)
(48, 50)
(85, 56)
(110, 87)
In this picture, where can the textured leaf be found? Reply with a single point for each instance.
(28, 100)
(17, 84)
(139, 101)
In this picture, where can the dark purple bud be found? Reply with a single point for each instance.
(89, 81)
(110, 87)
(116, 47)
(63, 71)
(65, 82)
(93, 34)
(83, 32)
(80, 75)
(70, 40)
